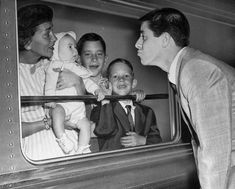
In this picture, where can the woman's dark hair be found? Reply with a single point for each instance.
(118, 60)
(171, 21)
(29, 17)
(90, 37)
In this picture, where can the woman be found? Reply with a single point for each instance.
(36, 41)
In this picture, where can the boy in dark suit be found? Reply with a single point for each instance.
(124, 123)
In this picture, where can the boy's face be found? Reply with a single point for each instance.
(67, 49)
(122, 79)
(93, 57)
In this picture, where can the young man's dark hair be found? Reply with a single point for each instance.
(171, 21)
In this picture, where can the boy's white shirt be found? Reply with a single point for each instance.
(128, 102)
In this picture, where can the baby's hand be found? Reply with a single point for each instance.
(100, 94)
(140, 95)
(50, 104)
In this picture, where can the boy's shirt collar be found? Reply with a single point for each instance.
(127, 102)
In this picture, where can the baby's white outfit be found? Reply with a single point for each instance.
(75, 109)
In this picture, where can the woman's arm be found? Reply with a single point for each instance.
(29, 128)
(68, 79)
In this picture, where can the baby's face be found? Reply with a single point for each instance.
(93, 57)
(67, 49)
(121, 78)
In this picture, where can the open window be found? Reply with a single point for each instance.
(119, 27)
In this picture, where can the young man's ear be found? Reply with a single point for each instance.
(166, 38)
(134, 83)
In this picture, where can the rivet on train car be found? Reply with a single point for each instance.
(10, 132)
(9, 108)
(12, 155)
(8, 71)
(6, 47)
(9, 96)
(8, 84)
(6, 34)
(12, 168)
(6, 59)
(6, 22)
(9, 120)
(11, 144)
(5, 10)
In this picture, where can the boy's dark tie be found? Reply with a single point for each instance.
(130, 118)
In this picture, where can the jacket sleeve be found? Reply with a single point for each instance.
(90, 85)
(152, 131)
(104, 119)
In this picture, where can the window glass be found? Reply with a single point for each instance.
(40, 142)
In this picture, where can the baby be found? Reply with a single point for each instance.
(65, 56)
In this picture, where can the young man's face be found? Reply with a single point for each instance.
(121, 78)
(149, 46)
(93, 57)
(67, 49)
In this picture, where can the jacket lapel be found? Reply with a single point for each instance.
(121, 116)
(139, 119)
(186, 54)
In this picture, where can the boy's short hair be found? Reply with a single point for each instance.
(90, 37)
(29, 17)
(117, 60)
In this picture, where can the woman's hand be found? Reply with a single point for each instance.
(68, 79)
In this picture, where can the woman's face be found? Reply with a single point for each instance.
(42, 42)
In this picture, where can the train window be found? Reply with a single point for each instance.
(120, 33)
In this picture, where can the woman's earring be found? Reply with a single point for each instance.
(27, 47)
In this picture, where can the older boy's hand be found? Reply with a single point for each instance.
(100, 94)
(106, 86)
(140, 95)
(133, 139)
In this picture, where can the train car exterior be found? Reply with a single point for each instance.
(167, 165)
